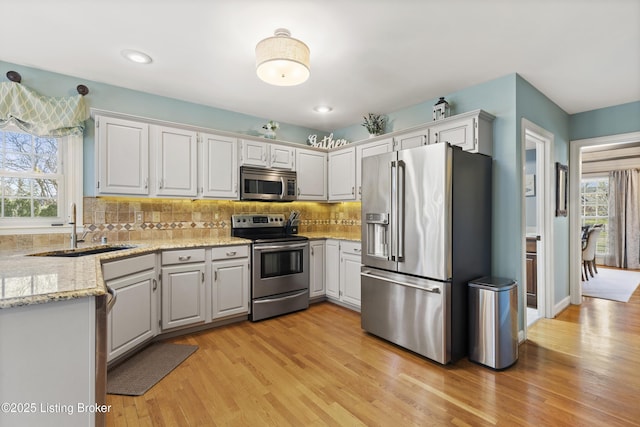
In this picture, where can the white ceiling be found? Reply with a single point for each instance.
(366, 55)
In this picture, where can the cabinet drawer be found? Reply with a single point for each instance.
(182, 256)
(124, 267)
(229, 252)
(350, 247)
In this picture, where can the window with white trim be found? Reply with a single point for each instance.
(594, 197)
(38, 176)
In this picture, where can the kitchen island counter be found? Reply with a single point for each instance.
(28, 280)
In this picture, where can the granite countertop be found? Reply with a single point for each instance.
(355, 237)
(28, 280)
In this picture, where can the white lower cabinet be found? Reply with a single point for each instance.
(343, 260)
(229, 281)
(350, 261)
(183, 288)
(133, 317)
(332, 268)
(316, 268)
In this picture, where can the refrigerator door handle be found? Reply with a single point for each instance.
(400, 209)
(434, 290)
(394, 212)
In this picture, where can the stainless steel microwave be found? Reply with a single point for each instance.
(267, 184)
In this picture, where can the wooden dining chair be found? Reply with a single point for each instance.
(589, 253)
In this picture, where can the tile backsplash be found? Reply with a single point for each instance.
(127, 219)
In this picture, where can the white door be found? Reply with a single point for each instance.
(219, 167)
(410, 140)
(282, 157)
(460, 133)
(254, 153)
(316, 268)
(311, 167)
(350, 278)
(183, 295)
(176, 162)
(342, 175)
(132, 319)
(122, 156)
(230, 290)
(332, 268)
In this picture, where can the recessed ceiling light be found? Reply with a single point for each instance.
(136, 56)
(322, 109)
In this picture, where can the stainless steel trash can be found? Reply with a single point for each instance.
(493, 322)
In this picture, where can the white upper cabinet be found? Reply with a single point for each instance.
(282, 157)
(311, 167)
(266, 155)
(219, 167)
(122, 156)
(176, 155)
(471, 131)
(254, 153)
(366, 150)
(410, 140)
(342, 174)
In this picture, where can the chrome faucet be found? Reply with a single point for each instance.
(74, 232)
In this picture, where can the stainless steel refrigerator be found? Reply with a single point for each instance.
(426, 232)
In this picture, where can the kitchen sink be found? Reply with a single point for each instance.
(83, 251)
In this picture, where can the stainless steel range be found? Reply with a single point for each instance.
(280, 264)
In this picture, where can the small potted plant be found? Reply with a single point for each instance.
(271, 127)
(374, 123)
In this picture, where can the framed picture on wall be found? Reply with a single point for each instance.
(530, 185)
(562, 172)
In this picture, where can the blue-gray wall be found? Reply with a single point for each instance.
(614, 120)
(536, 107)
(126, 101)
(510, 98)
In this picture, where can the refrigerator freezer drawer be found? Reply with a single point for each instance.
(408, 311)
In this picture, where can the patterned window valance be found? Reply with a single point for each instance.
(41, 115)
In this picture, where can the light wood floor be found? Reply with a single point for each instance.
(317, 367)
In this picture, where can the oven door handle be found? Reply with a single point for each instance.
(268, 300)
(280, 247)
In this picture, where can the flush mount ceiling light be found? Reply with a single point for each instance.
(282, 60)
(136, 56)
(322, 109)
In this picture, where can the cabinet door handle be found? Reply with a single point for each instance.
(184, 257)
(312, 251)
(353, 191)
(155, 284)
(203, 277)
(360, 190)
(146, 183)
(232, 253)
(298, 191)
(357, 250)
(215, 275)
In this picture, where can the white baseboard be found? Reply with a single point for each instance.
(564, 303)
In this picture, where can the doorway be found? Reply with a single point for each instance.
(537, 237)
(575, 174)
